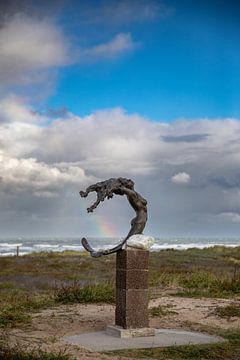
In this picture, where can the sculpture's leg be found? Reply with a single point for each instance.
(95, 253)
(88, 247)
(114, 249)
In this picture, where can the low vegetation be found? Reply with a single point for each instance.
(7, 353)
(212, 272)
(15, 307)
(228, 311)
(75, 293)
(161, 310)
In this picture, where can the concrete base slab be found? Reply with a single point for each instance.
(119, 332)
(101, 341)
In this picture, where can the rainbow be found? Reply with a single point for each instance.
(103, 227)
(100, 224)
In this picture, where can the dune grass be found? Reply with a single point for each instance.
(228, 311)
(16, 353)
(161, 310)
(75, 293)
(15, 310)
(212, 272)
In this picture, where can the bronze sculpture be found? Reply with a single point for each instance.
(119, 186)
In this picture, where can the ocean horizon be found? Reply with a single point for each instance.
(28, 245)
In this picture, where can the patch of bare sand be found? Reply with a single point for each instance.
(194, 313)
(50, 326)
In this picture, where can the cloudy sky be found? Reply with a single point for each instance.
(145, 89)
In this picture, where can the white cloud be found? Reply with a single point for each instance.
(106, 142)
(29, 174)
(120, 44)
(16, 109)
(20, 126)
(28, 45)
(231, 216)
(112, 141)
(19, 139)
(181, 178)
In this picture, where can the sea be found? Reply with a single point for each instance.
(8, 246)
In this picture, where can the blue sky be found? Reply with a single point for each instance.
(143, 89)
(185, 64)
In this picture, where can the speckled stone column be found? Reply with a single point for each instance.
(132, 289)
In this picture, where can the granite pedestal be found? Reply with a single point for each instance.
(132, 289)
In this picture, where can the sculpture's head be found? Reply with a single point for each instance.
(128, 183)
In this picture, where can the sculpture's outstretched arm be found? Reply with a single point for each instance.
(91, 188)
(100, 197)
(103, 189)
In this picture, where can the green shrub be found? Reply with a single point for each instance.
(11, 316)
(198, 280)
(7, 285)
(7, 353)
(76, 293)
(161, 310)
(228, 311)
(14, 310)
